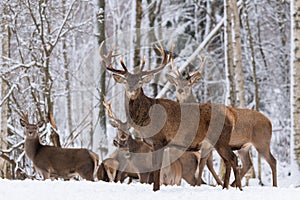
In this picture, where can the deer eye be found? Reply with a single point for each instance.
(180, 91)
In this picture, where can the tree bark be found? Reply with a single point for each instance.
(251, 172)
(295, 78)
(229, 53)
(102, 83)
(4, 165)
(67, 79)
(237, 52)
(138, 20)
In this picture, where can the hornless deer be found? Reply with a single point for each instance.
(107, 170)
(251, 128)
(55, 162)
(184, 94)
(164, 122)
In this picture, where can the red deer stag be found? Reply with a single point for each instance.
(164, 122)
(55, 162)
(251, 128)
(169, 175)
(137, 165)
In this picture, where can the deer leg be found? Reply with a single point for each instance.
(230, 159)
(157, 159)
(202, 163)
(210, 166)
(86, 171)
(244, 155)
(271, 161)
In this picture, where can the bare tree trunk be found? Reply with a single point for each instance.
(295, 79)
(251, 172)
(229, 57)
(4, 165)
(229, 53)
(68, 81)
(237, 52)
(102, 83)
(154, 14)
(138, 20)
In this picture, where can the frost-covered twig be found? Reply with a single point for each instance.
(8, 94)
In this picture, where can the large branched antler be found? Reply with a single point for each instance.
(24, 117)
(106, 61)
(175, 71)
(196, 75)
(117, 121)
(165, 61)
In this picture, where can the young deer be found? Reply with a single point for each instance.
(251, 128)
(55, 162)
(164, 122)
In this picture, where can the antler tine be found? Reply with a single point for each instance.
(106, 61)
(110, 113)
(143, 63)
(165, 61)
(189, 76)
(25, 117)
(197, 74)
(175, 71)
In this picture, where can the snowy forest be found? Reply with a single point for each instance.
(50, 64)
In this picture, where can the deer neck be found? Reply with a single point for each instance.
(190, 98)
(139, 109)
(32, 146)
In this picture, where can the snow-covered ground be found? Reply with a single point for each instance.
(64, 190)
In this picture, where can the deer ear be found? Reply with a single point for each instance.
(40, 124)
(119, 79)
(148, 78)
(171, 79)
(22, 122)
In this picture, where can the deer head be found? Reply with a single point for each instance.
(123, 127)
(31, 130)
(183, 85)
(133, 82)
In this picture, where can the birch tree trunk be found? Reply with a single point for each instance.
(4, 90)
(229, 62)
(295, 78)
(229, 53)
(251, 172)
(237, 52)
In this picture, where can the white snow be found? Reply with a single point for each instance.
(64, 190)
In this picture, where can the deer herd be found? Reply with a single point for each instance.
(161, 141)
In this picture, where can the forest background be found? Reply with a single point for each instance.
(50, 64)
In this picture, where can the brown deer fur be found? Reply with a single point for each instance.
(201, 121)
(252, 127)
(55, 162)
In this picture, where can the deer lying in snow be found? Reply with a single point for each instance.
(164, 122)
(251, 128)
(55, 162)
